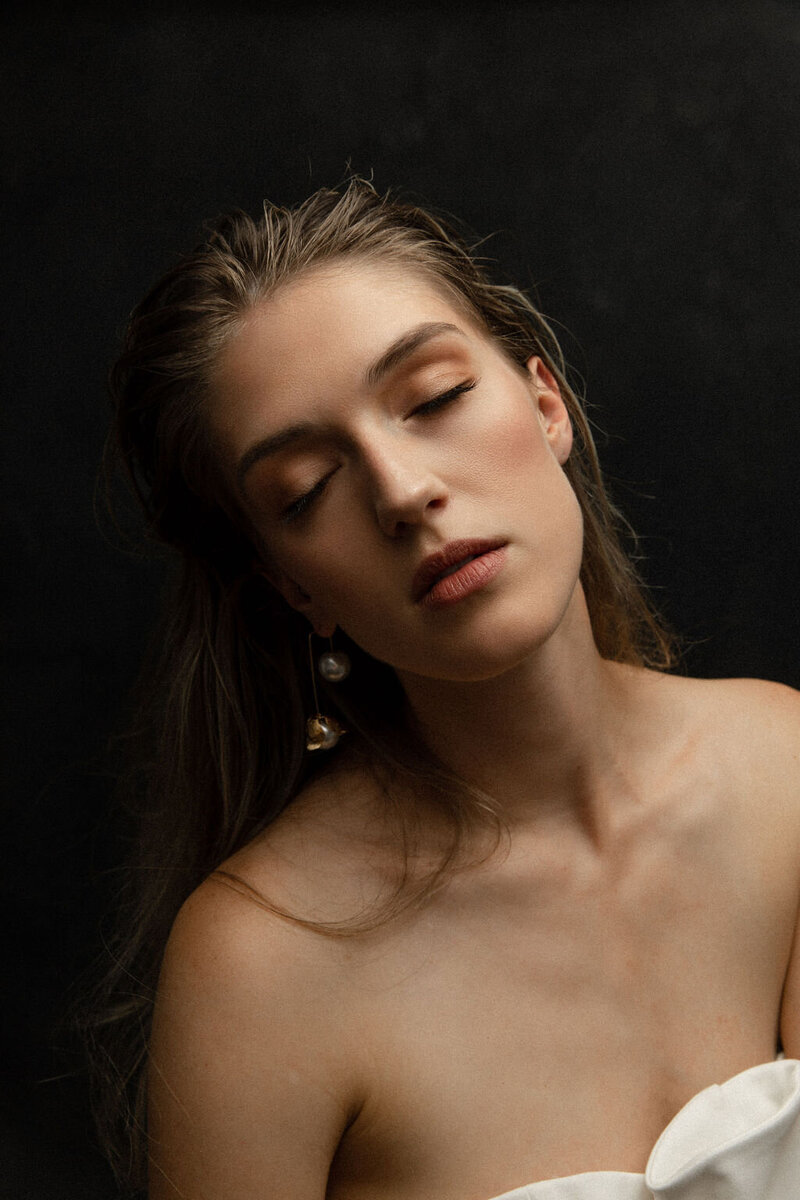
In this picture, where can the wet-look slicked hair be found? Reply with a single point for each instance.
(221, 734)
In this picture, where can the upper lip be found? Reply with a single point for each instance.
(449, 556)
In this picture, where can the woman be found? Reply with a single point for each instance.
(539, 895)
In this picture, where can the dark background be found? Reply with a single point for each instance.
(640, 165)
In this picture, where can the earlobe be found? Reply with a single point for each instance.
(297, 598)
(292, 593)
(553, 412)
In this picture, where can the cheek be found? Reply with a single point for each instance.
(521, 442)
(329, 566)
(514, 450)
(542, 500)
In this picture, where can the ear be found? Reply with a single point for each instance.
(552, 409)
(298, 599)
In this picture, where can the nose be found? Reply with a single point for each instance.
(405, 488)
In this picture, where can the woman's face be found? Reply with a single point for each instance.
(405, 477)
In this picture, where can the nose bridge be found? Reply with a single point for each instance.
(402, 479)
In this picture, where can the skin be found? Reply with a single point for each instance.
(632, 938)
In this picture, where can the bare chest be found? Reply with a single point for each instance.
(531, 1036)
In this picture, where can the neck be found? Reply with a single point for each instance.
(538, 739)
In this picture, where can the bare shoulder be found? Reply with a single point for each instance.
(745, 735)
(756, 718)
(256, 927)
(330, 855)
(761, 698)
(740, 712)
(757, 725)
(230, 961)
(218, 939)
(255, 1058)
(731, 746)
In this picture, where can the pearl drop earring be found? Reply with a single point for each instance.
(334, 665)
(323, 732)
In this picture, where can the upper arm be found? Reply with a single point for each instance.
(790, 1007)
(249, 1087)
(782, 736)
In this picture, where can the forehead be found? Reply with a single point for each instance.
(322, 331)
(349, 310)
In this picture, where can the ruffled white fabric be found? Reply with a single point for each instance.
(739, 1140)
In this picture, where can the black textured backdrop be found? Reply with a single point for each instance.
(640, 165)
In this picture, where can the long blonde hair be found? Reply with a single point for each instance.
(226, 698)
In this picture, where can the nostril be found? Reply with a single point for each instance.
(403, 495)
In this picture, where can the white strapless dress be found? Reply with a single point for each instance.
(739, 1140)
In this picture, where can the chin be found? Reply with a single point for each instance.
(489, 653)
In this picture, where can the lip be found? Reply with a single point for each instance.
(428, 576)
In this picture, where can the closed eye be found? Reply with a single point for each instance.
(297, 507)
(443, 399)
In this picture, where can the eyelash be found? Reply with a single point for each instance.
(299, 506)
(445, 398)
(429, 408)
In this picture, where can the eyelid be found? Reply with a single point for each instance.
(443, 398)
(298, 506)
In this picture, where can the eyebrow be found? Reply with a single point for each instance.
(268, 446)
(406, 345)
(396, 354)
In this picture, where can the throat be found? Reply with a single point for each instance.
(528, 740)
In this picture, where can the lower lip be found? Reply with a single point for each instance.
(468, 579)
